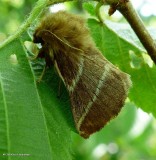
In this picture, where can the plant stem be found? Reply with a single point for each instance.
(137, 25)
(40, 5)
(97, 9)
(35, 12)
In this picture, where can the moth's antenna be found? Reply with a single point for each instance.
(61, 40)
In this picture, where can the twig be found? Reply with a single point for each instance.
(128, 11)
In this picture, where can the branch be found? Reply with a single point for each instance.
(127, 10)
(40, 5)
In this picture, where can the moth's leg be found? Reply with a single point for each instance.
(41, 54)
(42, 74)
(49, 63)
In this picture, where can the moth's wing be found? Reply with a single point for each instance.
(97, 89)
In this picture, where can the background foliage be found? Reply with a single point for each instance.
(33, 121)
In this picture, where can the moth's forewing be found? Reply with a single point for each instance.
(97, 89)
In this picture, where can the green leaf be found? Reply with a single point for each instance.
(116, 42)
(33, 120)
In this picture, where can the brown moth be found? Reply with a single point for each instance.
(97, 88)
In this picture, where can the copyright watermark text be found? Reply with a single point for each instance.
(15, 154)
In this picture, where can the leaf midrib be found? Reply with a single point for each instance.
(6, 115)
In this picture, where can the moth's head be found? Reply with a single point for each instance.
(37, 37)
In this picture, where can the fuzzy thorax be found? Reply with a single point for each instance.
(64, 31)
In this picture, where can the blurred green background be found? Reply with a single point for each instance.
(132, 135)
